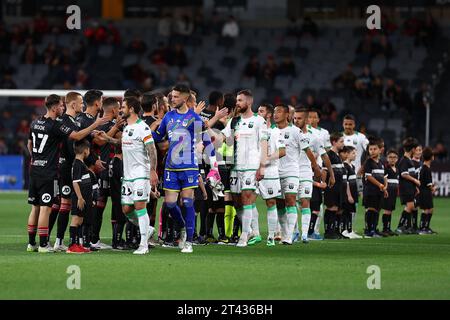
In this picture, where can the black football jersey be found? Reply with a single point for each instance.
(426, 179)
(406, 167)
(86, 120)
(337, 165)
(351, 179)
(67, 151)
(46, 135)
(149, 120)
(376, 170)
(81, 175)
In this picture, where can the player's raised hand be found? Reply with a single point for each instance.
(120, 122)
(101, 121)
(199, 107)
(220, 113)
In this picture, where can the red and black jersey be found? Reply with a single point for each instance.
(46, 134)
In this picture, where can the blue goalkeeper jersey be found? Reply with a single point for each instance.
(183, 131)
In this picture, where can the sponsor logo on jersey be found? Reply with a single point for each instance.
(140, 192)
(185, 122)
(307, 191)
(270, 191)
(130, 133)
(291, 186)
(286, 135)
(250, 125)
(46, 198)
(248, 182)
(190, 179)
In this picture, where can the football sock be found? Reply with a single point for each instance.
(415, 214)
(175, 213)
(73, 232)
(386, 222)
(98, 219)
(188, 204)
(429, 216)
(52, 219)
(423, 218)
(129, 232)
(403, 219)
(328, 220)
(32, 229)
(350, 220)
(86, 234)
(203, 218)
(291, 215)
(272, 220)
(230, 212)
(43, 236)
(220, 221)
(319, 217)
(80, 231)
(210, 221)
(338, 224)
(306, 218)
(409, 220)
(144, 225)
(255, 221)
(247, 214)
(236, 225)
(376, 218)
(312, 223)
(282, 219)
(63, 220)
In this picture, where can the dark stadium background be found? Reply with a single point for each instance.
(313, 53)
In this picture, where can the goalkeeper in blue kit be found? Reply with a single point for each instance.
(183, 127)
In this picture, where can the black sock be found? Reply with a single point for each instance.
(367, 222)
(150, 210)
(97, 223)
(327, 221)
(129, 232)
(408, 220)
(338, 225)
(114, 225)
(236, 226)
(429, 216)
(43, 236)
(80, 233)
(403, 219)
(170, 230)
(386, 222)
(423, 221)
(312, 224)
(136, 234)
(62, 223)
(210, 221)
(87, 235)
(376, 218)
(73, 232)
(203, 218)
(51, 221)
(350, 222)
(120, 225)
(220, 221)
(415, 214)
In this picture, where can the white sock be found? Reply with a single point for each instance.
(296, 225)
(247, 214)
(319, 217)
(272, 221)
(291, 213)
(144, 224)
(278, 226)
(255, 222)
(306, 218)
(353, 220)
(282, 220)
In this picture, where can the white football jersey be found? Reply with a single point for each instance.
(275, 143)
(248, 135)
(359, 142)
(316, 144)
(136, 163)
(324, 134)
(296, 142)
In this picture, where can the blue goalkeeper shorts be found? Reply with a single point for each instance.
(180, 180)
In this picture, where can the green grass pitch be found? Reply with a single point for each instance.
(412, 267)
